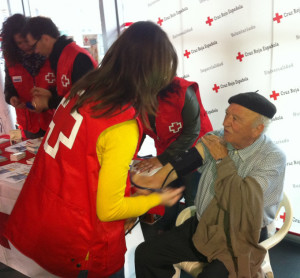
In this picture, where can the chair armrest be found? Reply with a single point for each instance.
(185, 214)
(281, 233)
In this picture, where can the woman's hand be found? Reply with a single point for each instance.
(15, 102)
(170, 196)
(148, 165)
(129, 223)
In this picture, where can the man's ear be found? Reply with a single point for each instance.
(45, 37)
(259, 129)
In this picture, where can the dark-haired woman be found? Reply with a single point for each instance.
(25, 70)
(76, 196)
(179, 122)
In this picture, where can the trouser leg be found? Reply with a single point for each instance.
(155, 257)
(214, 269)
(190, 182)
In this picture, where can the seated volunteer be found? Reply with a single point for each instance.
(238, 195)
(69, 217)
(179, 122)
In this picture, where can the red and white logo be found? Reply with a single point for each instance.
(274, 95)
(175, 127)
(187, 54)
(17, 79)
(240, 57)
(60, 132)
(277, 18)
(209, 21)
(160, 21)
(50, 77)
(65, 81)
(216, 88)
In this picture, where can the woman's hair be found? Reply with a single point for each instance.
(173, 87)
(12, 26)
(140, 63)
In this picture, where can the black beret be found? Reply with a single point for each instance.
(255, 102)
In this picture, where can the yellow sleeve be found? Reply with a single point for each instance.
(115, 149)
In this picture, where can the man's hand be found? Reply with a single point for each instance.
(15, 102)
(37, 91)
(215, 145)
(40, 99)
(148, 165)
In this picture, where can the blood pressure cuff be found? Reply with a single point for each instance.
(187, 162)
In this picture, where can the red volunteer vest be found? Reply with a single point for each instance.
(169, 121)
(65, 67)
(23, 83)
(54, 220)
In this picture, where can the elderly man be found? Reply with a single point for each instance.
(238, 195)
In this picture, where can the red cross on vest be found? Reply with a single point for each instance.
(63, 128)
(50, 77)
(65, 81)
(175, 127)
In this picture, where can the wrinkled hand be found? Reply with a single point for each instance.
(170, 196)
(15, 102)
(215, 145)
(148, 165)
(129, 223)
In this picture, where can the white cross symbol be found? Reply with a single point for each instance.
(65, 81)
(175, 127)
(68, 142)
(50, 77)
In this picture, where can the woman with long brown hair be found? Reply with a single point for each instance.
(76, 196)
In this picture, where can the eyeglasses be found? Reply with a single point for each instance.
(34, 45)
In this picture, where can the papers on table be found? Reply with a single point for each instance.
(31, 145)
(20, 147)
(14, 172)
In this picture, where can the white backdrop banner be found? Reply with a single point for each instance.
(231, 47)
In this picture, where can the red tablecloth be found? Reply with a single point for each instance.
(4, 216)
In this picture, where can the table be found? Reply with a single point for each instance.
(10, 256)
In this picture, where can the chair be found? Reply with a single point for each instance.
(194, 268)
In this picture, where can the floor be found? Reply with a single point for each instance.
(285, 257)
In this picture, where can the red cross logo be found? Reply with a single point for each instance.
(63, 128)
(160, 21)
(209, 21)
(175, 127)
(216, 88)
(240, 56)
(50, 77)
(283, 217)
(65, 81)
(277, 18)
(274, 95)
(187, 54)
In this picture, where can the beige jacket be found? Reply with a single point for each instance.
(229, 229)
